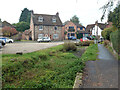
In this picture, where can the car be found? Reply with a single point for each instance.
(44, 39)
(84, 39)
(72, 38)
(2, 43)
(7, 40)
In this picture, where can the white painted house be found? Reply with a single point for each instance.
(96, 29)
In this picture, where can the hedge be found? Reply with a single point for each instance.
(115, 39)
(106, 33)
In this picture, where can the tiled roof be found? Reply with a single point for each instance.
(47, 20)
(5, 23)
(100, 25)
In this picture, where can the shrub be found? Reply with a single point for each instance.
(106, 43)
(69, 47)
(114, 38)
(106, 33)
(86, 43)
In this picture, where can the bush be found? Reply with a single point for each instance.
(114, 38)
(106, 33)
(69, 47)
(106, 43)
(86, 43)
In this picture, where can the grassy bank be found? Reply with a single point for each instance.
(49, 68)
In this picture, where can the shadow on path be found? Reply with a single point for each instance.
(101, 73)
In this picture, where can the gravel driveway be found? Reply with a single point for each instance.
(27, 47)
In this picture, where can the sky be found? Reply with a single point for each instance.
(88, 11)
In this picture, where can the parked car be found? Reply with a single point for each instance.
(44, 39)
(72, 38)
(2, 42)
(7, 40)
(84, 39)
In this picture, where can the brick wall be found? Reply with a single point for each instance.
(49, 31)
(32, 28)
(66, 27)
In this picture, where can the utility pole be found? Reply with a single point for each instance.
(97, 32)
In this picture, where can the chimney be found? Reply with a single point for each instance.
(57, 14)
(96, 23)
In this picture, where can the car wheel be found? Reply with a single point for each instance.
(10, 41)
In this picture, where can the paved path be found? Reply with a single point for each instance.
(102, 73)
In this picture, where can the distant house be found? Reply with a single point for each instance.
(26, 35)
(96, 29)
(6, 29)
(46, 25)
(72, 29)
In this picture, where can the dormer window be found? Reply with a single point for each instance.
(54, 19)
(40, 19)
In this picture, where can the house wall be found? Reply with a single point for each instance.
(94, 31)
(66, 27)
(49, 31)
(25, 37)
(32, 28)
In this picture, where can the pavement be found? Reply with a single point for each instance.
(102, 73)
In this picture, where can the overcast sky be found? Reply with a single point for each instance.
(88, 11)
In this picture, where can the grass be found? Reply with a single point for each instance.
(90, 53)
(48, 68)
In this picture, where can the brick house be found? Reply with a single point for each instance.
(72, 29)
(46, 25)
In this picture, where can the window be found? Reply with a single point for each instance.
(55, 36)
(54, 19)
(55, 27)
(40, 19)
(40, 35)
(40, 27)
(81, 28)
(71, 27)
(72, 34)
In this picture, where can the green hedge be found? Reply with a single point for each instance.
(106, 33)
(115, 39)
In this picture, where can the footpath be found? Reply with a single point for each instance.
(102, 73)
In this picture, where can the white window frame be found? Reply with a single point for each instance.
(40, 28)
(40, 35)
(55, 36)
(54, 19)
(40, 19)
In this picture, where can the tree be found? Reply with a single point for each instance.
(114, 17)
(25, 15)
(22, 26)
(75, 19)
(8, 31)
